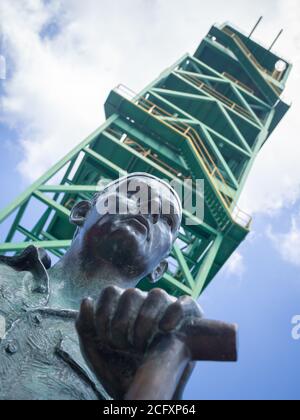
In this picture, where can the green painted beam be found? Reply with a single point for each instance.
(16, 247)
(107, 163)
(74, 189)
(184, 266)
(177, 94)
(177, 284)
(234, 127)
(247, 153)
(16, 221)
(247, 106)
(63, 211)
(206, 266)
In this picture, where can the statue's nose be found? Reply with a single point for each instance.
(155, 218)
(155, 209)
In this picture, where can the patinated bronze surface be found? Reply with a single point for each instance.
(135, 345)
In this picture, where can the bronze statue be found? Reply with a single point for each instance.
(135, 345)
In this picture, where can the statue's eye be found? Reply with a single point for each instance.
(170, 221)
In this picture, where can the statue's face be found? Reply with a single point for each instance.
(131, 230)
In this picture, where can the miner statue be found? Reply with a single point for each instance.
(81, 330)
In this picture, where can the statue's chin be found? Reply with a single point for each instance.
(123, 244)
(130, 233)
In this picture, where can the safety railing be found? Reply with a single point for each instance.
(189, 133)
(217, 95)
(238, 82)
(147, 153)
(241, 217)
(251, 57)
(114, 133)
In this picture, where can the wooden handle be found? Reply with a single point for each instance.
(205, 340)
(212, 341)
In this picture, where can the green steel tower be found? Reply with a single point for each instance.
(205, 117)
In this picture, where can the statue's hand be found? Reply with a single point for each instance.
(116, 333)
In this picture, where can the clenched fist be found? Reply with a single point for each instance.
(124, 329)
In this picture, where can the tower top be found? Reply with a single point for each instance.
(273, 66)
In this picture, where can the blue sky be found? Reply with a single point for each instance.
(262, 301)
(62, 63)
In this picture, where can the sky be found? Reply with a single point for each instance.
(63, 58)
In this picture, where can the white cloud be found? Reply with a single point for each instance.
(288, 244)
(59, 83)
(2, 68)
(235, 266)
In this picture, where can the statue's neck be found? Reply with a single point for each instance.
(71, 281)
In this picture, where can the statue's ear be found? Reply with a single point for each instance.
(158, 273)
(79, 213)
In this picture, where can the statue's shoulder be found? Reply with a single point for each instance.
(27, 260)
(40, 359)
(24, 282)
